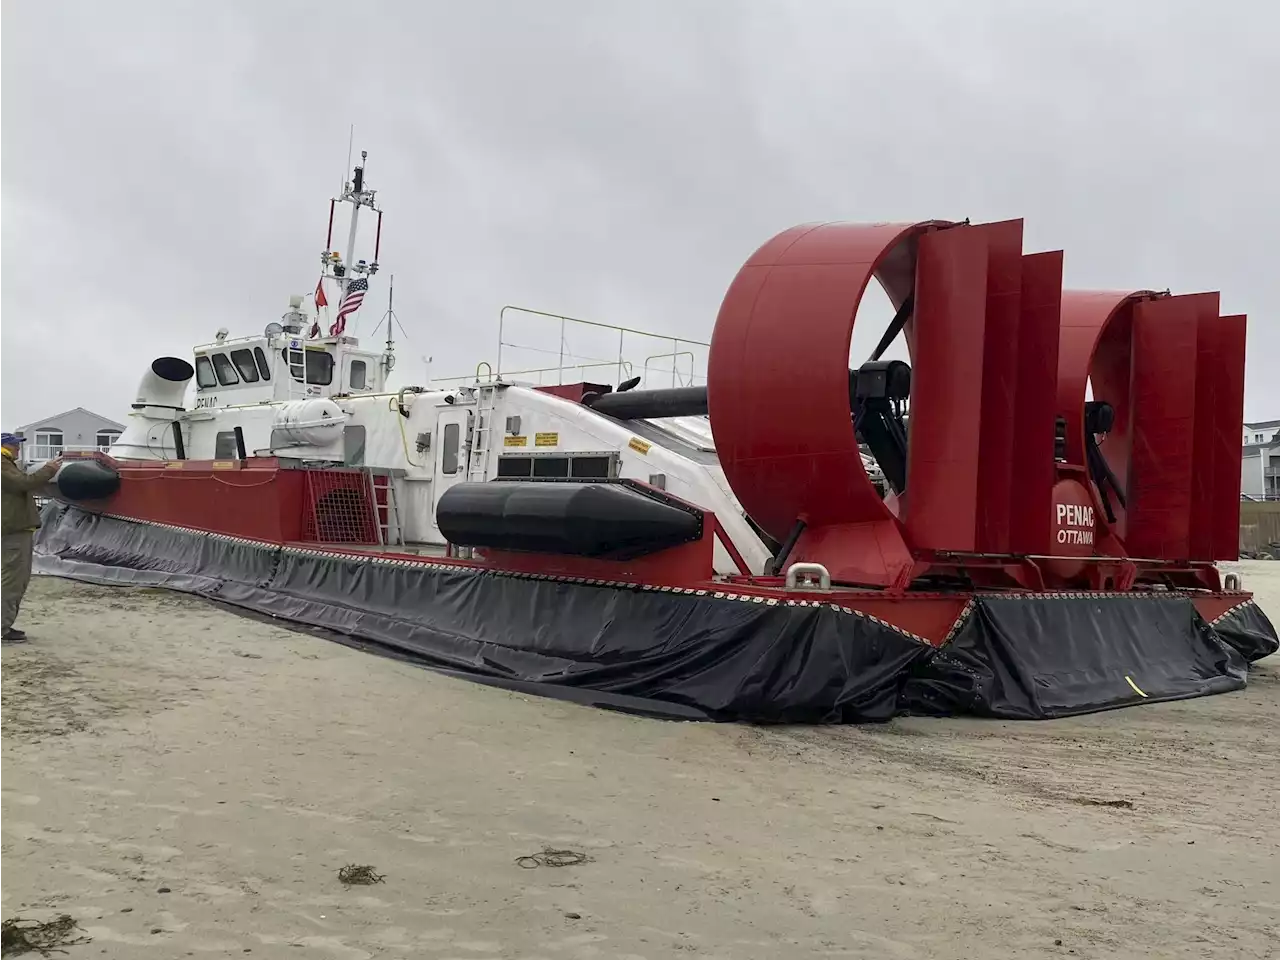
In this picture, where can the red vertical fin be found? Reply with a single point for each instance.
(1163, 398)
(999, 382)
(1034, 409)
(946, 406)
(1203, 474)
(1228, 364)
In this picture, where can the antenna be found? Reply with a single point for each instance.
(351, 142)
(388, 356)
(332, 266)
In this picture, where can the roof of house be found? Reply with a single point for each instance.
(1256, 449)
(1263, 425)
(47, 420)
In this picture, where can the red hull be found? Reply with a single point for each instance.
(261, 501)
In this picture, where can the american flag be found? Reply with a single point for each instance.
(351, 301)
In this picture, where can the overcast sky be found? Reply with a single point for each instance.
(167, 164)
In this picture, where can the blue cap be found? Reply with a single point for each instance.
(11, 440)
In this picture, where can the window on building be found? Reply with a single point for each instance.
(358, 374)
(204, 373)
(48, 444)
(246, 366)
(106, 438)
(319, 365)
(449, 449)
(223, 368)
(264, 368)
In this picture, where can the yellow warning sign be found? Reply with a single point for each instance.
(638, 445)
(546, 439)
(515, 441)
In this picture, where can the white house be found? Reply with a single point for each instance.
(1261, 432)
(72, 430)
(1260, 461)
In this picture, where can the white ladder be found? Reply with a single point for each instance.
(386, 510)
(481, 430)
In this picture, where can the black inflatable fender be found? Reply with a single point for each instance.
(82, 481)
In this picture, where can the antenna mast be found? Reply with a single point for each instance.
(355, 193)
(389, 355)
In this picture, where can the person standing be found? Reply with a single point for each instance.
(19, 520)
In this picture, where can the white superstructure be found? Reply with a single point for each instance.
(302, 396)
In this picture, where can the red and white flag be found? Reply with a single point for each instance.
(321, 301)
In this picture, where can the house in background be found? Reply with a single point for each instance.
(1261, 432)
(1260, 461)
(71, 431)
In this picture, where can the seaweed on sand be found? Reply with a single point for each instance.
(19, 936)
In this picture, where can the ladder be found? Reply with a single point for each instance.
(481, 431)
(386, 510)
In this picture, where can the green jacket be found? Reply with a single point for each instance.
(18, 509)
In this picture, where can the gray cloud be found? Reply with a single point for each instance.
(166, 163)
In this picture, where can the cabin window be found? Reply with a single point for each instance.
(358, 374)
(260, 358)
(246, 366)
(224, 445)
(449, 449)
(510, 468)
(105, 439)
(319, 365)
(586, 467)
(353, 437)
(590, 468)
(550, 467)
(225, 371)
(204, 373)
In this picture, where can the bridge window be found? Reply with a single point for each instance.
(245, 365)
(204, 373)
(319, 363)
(359, 375)
(264, 368)
(225, 371)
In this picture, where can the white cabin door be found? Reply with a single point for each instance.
(450, 444)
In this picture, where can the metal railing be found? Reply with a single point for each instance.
(35, 453)
(568, 361)
(539, 375)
